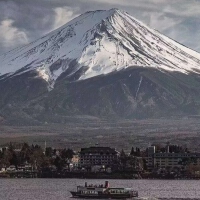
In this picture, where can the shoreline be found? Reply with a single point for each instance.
(123, 176)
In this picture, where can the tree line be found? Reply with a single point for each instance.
(34, 155)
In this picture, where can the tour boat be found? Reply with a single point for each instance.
(103, 192)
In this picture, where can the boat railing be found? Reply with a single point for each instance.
(96, 186)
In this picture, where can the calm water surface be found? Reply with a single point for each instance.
(58, 189)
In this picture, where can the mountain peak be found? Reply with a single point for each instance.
(96, 43)
(115, 10)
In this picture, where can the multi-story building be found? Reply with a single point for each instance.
(163, 160)
(97, 156)
(170, 159)
(150, 152)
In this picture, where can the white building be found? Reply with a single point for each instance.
(164, 160)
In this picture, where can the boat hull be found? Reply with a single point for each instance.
(103, 196)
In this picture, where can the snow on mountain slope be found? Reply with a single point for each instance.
(103, 42)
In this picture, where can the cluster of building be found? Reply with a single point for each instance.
(151, 159)
(105, 159)
(171, 159)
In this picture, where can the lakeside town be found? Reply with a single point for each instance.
(155, 162)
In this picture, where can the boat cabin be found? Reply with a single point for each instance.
(103, 191)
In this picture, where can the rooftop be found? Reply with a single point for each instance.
(98, 150)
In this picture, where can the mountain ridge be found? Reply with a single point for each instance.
(110, 40)
(103, 64)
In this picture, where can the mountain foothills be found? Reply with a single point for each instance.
(104, 64)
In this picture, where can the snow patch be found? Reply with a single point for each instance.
(103, 41)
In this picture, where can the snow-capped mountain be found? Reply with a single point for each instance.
(97, 43)
(102, 64)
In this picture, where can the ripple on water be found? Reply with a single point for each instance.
(59, 189)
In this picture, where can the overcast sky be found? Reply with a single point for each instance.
(22, 21)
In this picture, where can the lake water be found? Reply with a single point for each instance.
(58, 189)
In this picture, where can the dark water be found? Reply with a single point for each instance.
(58, 189)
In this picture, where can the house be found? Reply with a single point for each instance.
(75, 161)
(2, 149)
(11, 168)
(3, 169)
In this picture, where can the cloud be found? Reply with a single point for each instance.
(63, 15)
(158, 21)
(11, 36)
(183, 8)
(30, 20)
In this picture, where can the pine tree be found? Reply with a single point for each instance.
(132, 151)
